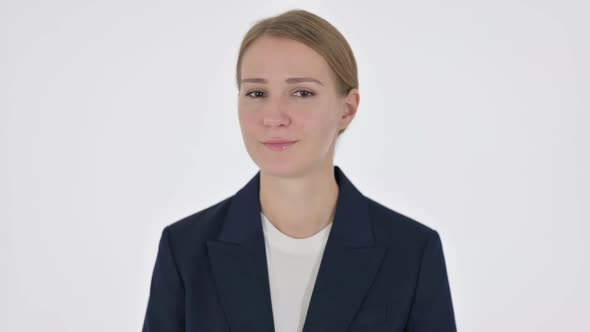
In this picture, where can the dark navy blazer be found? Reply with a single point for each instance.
(380, 271)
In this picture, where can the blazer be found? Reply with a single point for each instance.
(380, 271)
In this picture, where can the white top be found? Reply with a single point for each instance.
(292, 269)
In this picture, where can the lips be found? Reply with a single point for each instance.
(279, 145)
(279, 141)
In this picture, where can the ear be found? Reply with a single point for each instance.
(349, 108)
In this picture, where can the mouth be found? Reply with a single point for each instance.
(279, 146)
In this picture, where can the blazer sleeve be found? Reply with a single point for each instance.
(432, 308)
(165, 307)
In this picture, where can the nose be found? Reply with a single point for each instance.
(275, 113)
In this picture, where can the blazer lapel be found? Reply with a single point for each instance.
(349, 263)
(238, 262)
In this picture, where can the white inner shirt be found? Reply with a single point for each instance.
(292, 269)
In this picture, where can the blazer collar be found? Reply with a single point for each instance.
(351, 227)
(349, 263)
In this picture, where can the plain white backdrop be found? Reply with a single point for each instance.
(118, 118)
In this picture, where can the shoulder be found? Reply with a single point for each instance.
(194, 230)
(393, 228)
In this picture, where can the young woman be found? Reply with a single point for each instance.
(298, 248)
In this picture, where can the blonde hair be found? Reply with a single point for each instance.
(316, 33)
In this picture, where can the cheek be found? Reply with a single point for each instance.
(247, 119)
(321, 122)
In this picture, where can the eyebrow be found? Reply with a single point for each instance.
(290, 80)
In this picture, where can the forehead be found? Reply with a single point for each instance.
(274, 57)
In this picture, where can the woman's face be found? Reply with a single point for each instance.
(288, 92)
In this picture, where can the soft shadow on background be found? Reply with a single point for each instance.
(118, 118)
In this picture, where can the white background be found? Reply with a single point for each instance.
(118, 118)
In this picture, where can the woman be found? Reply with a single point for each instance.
(298, 248)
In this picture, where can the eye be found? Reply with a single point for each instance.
(249, 94)
(306, 93)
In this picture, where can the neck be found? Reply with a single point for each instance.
(302, 206)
